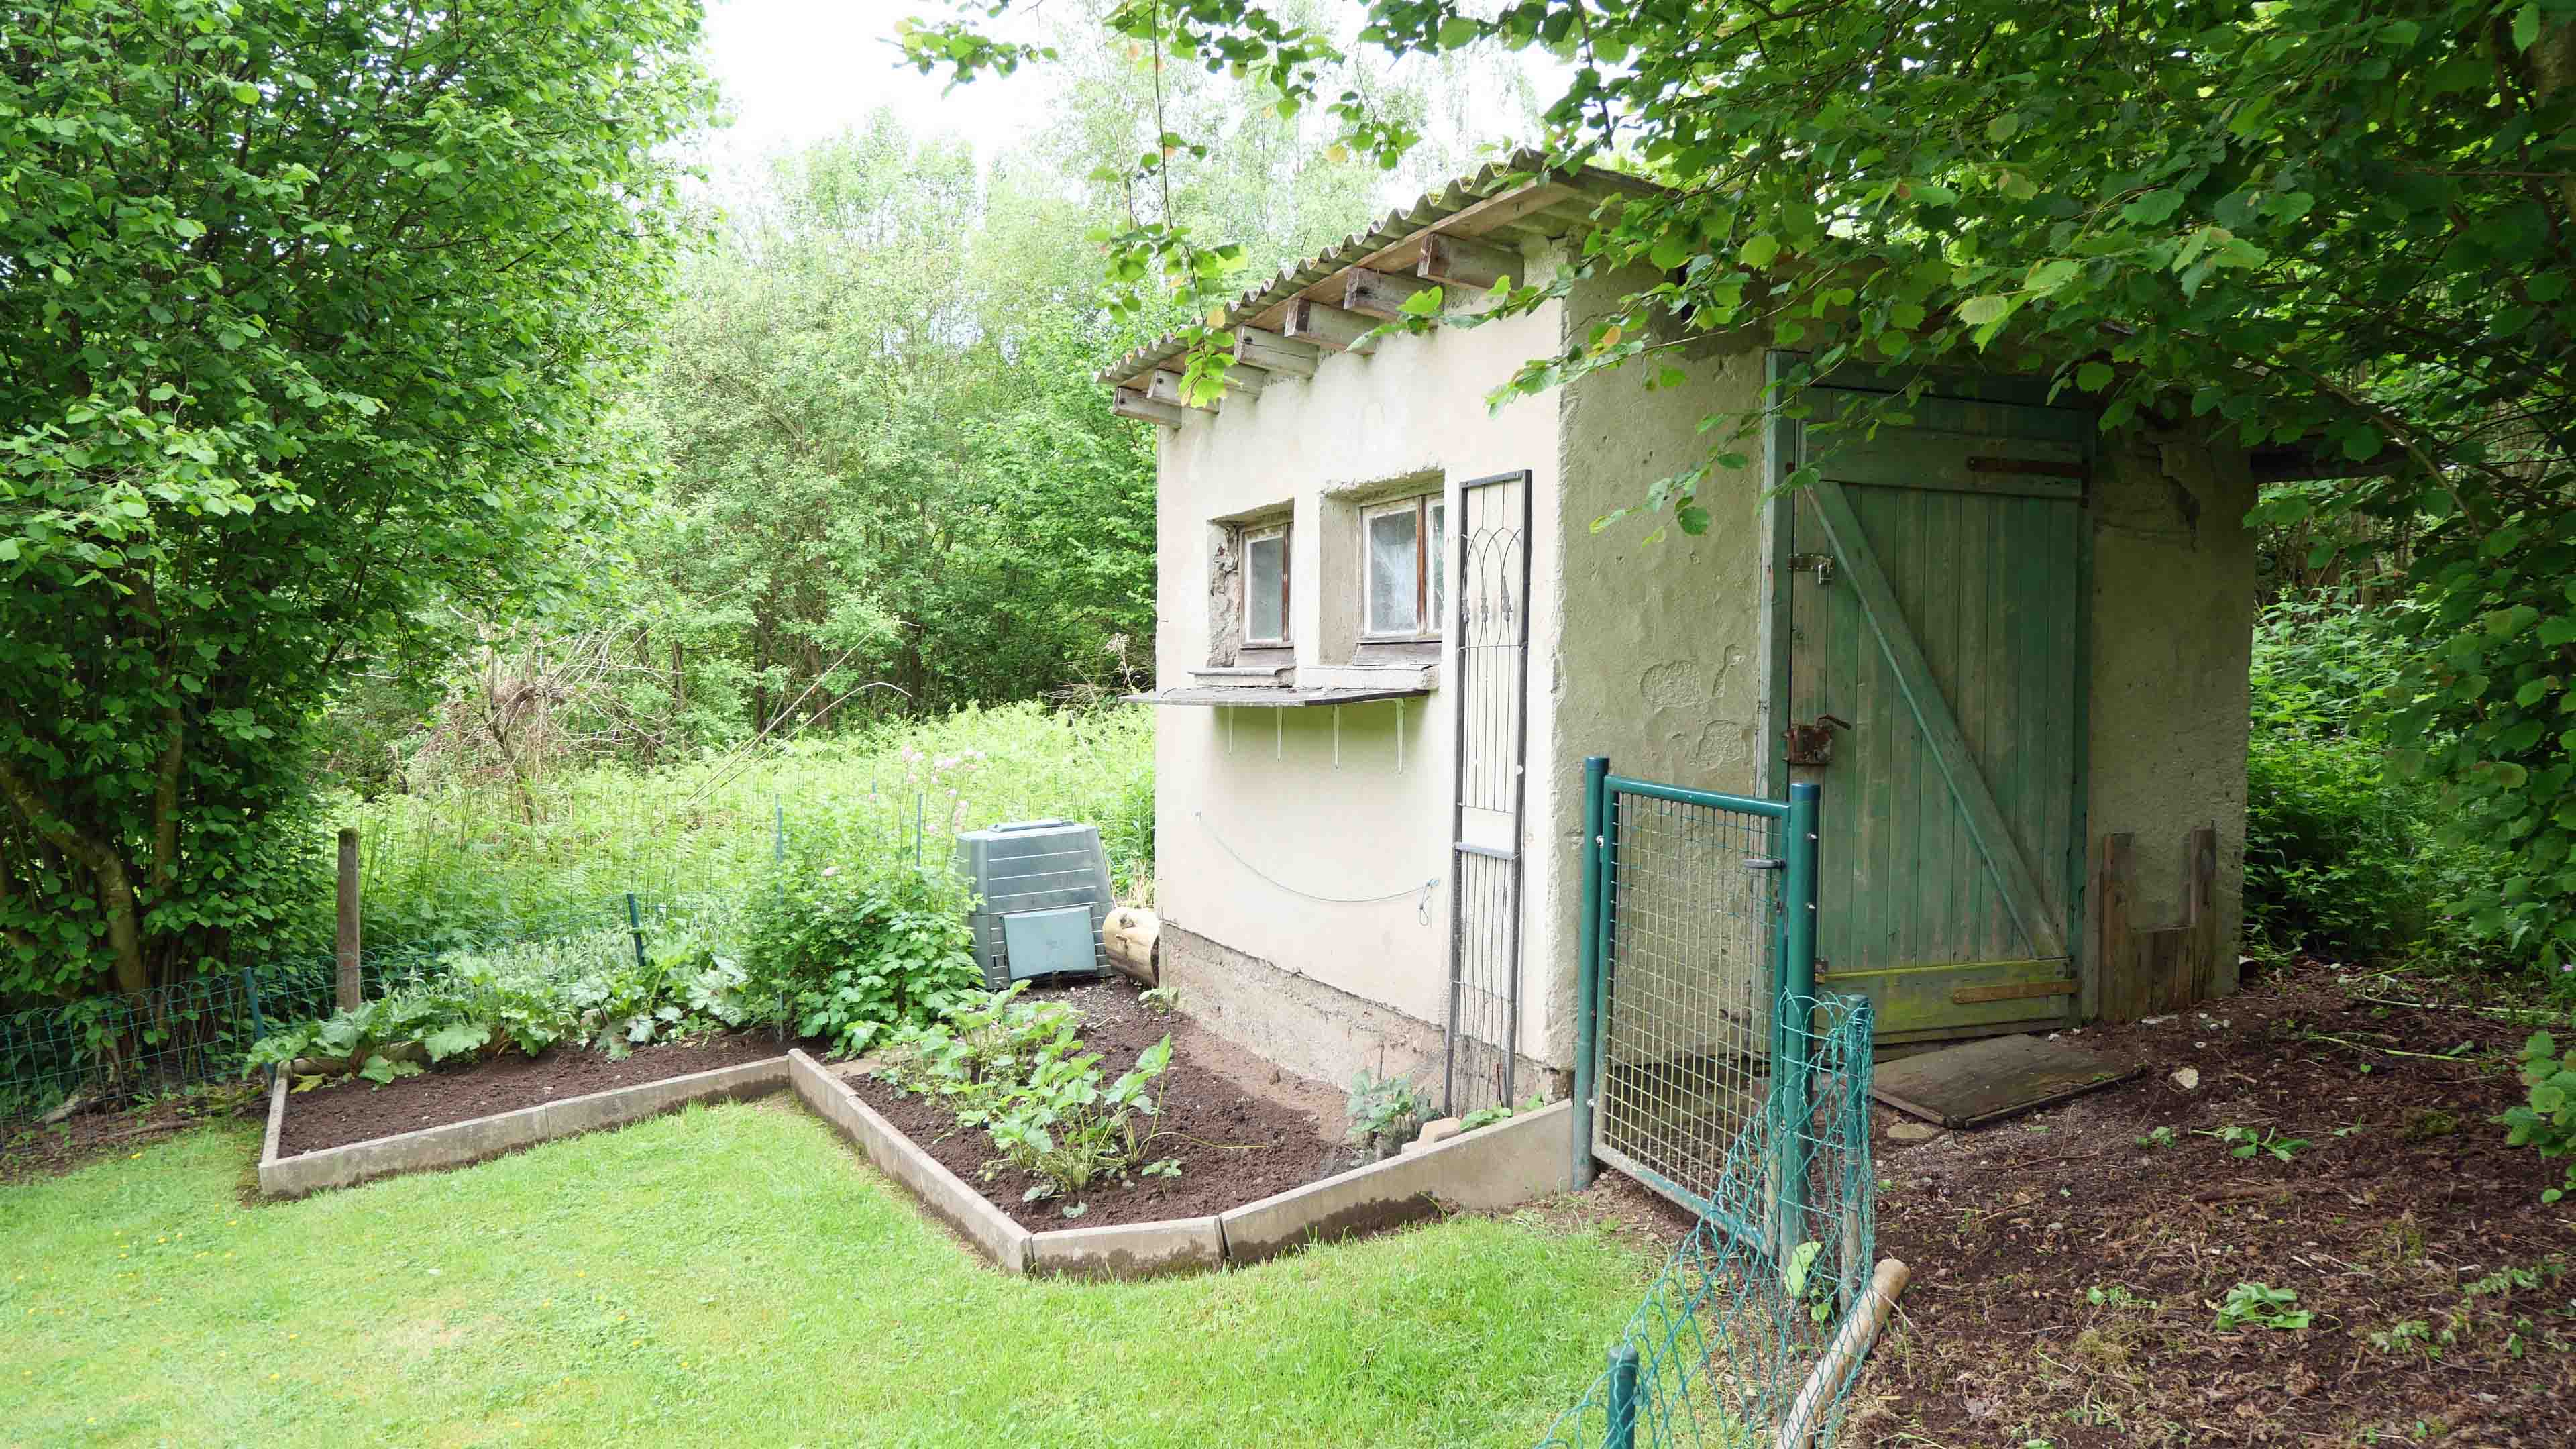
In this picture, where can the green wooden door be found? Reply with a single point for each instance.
(1936, 609)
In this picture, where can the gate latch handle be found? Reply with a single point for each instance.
(1813, 744)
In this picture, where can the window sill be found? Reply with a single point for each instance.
(1397, 651)
(1415, 677)
(1242, 676)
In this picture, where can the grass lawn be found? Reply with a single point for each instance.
(734, 1275)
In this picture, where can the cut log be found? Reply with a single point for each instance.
(1468, 263)
(1850, 1343)
(1132, 937)
(1325, 325)
(1131, 402)
(1380, 294)
(1276, 353)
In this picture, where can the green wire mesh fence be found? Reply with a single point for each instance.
(1731, 1345)
(1709, 1067)
(198, 1031)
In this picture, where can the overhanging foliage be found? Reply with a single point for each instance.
(306, 314)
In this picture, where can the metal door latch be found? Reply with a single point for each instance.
(1813, 744)
(1819, 564)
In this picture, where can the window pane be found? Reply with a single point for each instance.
(1392, 601)
(1439, 555)
(1264, 592)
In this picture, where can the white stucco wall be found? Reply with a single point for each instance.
(1254, 815)
(2172, 638)
(1660, 665)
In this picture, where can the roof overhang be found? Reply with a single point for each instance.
(1453, 237)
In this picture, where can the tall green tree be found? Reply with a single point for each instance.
(2341, 233)
(307, 316)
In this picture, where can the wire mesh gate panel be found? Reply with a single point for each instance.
(1690, 913)
(1491, 624)
(1708, 1067)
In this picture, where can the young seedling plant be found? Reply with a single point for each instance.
(2247, 1142)
(1017, 1070)
(2262, 1306)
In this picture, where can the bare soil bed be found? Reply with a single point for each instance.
(1235, 1145)
(360, 1111)
(2066, 1278)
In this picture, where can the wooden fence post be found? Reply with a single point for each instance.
(348, 941)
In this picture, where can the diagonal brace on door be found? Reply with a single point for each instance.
(1949, 745)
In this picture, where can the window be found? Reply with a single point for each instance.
(1404, 592)
(1265, 586)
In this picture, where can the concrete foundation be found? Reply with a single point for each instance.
(459, 1143)
(1314, 1029)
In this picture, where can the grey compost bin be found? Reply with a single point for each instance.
(1044, 892)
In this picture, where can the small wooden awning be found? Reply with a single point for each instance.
(1279, 696)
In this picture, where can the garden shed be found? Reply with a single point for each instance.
(2012, 655)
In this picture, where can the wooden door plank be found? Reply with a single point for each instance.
(1947, 746)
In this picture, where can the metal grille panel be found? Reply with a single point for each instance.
(1691, 917)
(1490, 619)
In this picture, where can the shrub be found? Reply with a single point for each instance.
(2340, 855)
(855, 946)
(2547, 1118)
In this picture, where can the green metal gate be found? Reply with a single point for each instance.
(1708, 1067)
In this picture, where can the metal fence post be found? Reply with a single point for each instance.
(1793, 1018)
(258, 1026)
(635, 923)
(1623, 1399)
(1587, 990)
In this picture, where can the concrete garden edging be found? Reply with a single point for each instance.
(943, 1192)
(1508, 1163)
(1511, 1162)
(1504, 1165)
(458, 1143)
(1167, 1247)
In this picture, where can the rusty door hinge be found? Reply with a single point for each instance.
(1813, 744)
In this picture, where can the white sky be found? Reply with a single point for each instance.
(794, 71)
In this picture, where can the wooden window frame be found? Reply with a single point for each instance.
(1287, 552)
(1426, 538)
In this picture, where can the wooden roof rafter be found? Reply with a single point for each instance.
(1285, 325)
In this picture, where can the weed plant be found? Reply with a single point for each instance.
(465, 859)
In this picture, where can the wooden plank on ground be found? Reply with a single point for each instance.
(1982, 1081)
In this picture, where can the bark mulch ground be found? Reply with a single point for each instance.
(1234, 1146)
(30, 1149)
(2066, 1278)
(359, 1111)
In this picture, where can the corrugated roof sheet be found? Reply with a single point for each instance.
(1426, 214)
